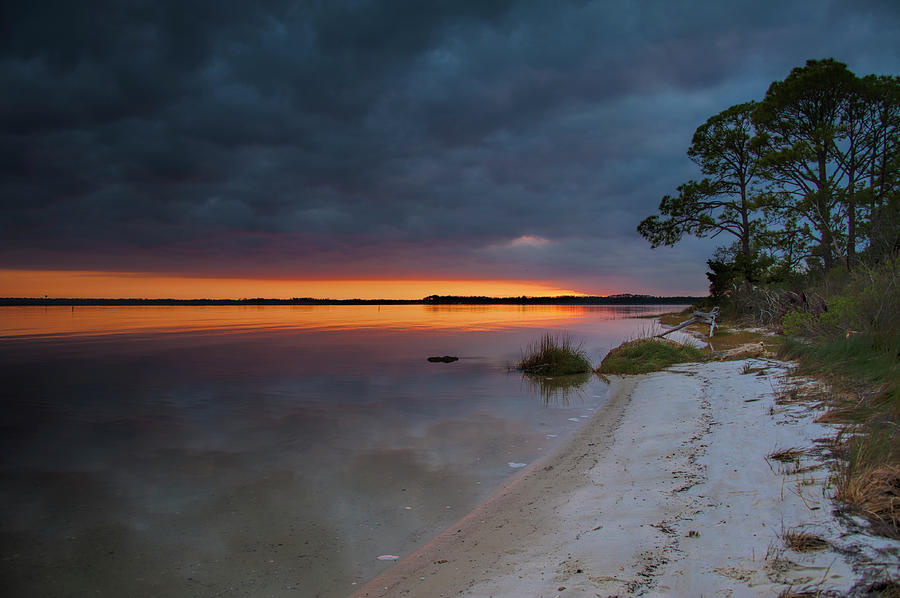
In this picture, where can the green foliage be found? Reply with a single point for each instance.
(554, 355)
(731, 269)
(865, 301)
(857, 335)
(864, 374)
(795, 322)
(813, 202)
(860, 358)
(644, 355)
(806, 179)
(842, 313)
(728, 199)
(839, 317)
(810, 126)
(721, 277)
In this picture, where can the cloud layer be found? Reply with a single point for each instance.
(520, 140)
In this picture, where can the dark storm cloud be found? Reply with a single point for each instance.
(351, 138)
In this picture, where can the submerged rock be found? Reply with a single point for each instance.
(444, 359)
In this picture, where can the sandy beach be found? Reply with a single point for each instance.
(670, 489)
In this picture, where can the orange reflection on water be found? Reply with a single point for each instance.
(34, 322)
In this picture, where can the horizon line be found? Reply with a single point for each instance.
(430, 299)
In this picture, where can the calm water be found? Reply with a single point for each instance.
(263, 451)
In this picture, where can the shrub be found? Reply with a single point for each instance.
(644, 355)
(795, 323)
(865, 302)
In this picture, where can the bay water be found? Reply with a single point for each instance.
(266, 451)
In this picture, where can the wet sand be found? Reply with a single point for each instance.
(667, 490)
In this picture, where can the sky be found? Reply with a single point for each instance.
(352, 148)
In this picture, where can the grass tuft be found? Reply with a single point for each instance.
(789, 455)
(886, 588)
(554, 355)
(875, 491)
(643, 355)
(804, 541)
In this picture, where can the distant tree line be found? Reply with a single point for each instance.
(623, 299)
(804, 180)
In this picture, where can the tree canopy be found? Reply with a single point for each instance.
(805, 178)
(727, 199)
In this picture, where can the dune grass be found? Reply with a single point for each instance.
(554, 355)
(643, 355)
(858, 357)
(863, 374)
(800, 541)
(869, 479)
(786, 455)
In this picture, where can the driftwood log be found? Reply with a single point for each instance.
(707, 317)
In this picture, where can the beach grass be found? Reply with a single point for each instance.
(644, 355)
(554, 355)
(786, 455)
(803, 541)
(863, 375)
(869, 478)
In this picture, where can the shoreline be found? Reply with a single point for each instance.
(669, 489)
(443, 559)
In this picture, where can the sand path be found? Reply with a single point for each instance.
(666, 491)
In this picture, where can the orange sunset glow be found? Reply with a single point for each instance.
(112, 285)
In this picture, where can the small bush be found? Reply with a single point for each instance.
(867, 302)
(554, 356)
(794, 323)
(644, 355)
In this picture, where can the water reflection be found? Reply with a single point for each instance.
(59, 321)
(557, 390)
(273, 451)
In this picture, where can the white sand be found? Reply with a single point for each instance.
(666, 491)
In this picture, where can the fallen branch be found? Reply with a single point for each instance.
(699, 316)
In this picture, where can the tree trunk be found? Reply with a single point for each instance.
(745, 236)
(851, 216)
(823, 201)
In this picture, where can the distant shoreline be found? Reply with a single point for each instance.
(626, 299)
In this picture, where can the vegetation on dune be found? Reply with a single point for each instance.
(801, 541)
(806, 182)
(554, 355)
(643, 355)
(869, 479)
(842, 327)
